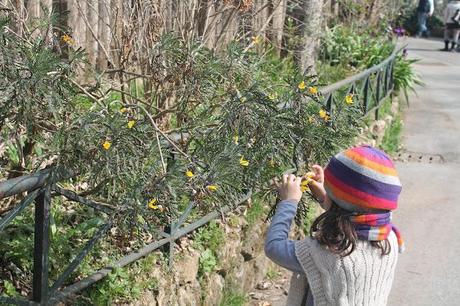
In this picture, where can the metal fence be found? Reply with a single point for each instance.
(369, 88)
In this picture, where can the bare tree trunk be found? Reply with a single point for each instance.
(209, 30)
(77, 9)
(116, 25)
(19, 9)
(279, 8)
(33, 9)
(334, 10)
(167, 8)
(103, 34)
(374, 11)
(92, 31)
(226, 26)
(313, 16)
(259, 18)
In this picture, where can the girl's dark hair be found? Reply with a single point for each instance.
(334, 230)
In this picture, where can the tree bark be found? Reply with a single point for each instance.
(279, 8)
(92, 31)
(260, 15)
(116, 25)
(77, 9)
(19, 9)
(312, 25)
(104, 34)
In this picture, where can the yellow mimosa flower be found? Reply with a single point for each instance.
(322, 113)
(272, 96)
(256, 40)
(152, 204)
(131, 124)
(123, 110)
(68, 39)
(349, 99)
(235, 139)
(313, 90)
(106, 145)
(212, 187)
(189, 174)
(302, 85)
(305, 182)
(244, 162)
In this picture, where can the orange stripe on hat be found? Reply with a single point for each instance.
(362, 160)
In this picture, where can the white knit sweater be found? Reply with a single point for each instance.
(362, 278)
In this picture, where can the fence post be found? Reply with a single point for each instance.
(41, 246)
(366, 94)
(377, 94)
(392, 66)
(329, 104)
(387, 79)
(172, 233)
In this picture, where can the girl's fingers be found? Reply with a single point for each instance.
(319, 173)
(285, 178)
(298, 180)
(291, 178)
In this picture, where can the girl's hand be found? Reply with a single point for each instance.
(289, 188)
(316, 183)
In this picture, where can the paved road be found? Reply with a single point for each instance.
(428, 272)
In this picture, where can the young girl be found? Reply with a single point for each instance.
(351, 255)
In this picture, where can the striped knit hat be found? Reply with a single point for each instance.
(362, 179)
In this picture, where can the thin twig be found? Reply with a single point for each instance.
(155, 126)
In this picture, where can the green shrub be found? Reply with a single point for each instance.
(354, 48)
(207, 262)
(392, 138)
(255, 211)
(9, 289)
(233, 298)
(272, 274)
(404, 76)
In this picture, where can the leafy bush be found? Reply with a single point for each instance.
(208, 262)
(210, 237)
(354, 48)
(233, 133)
(392, 138)
(404, 77)
(233, 298)
(35, 101)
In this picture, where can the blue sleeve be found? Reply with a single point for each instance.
(277, 245)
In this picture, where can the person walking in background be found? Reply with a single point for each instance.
(451, 25)
(351, 254)
(425, 9)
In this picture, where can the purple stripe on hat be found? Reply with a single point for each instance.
(362, 182)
